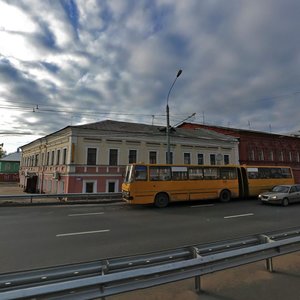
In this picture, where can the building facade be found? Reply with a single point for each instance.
(92, 157)
(261, 148)
(9, 167)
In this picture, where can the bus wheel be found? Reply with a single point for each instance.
(161, 200)
(225, 196)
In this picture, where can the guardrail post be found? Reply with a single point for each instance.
(105, 268)
(269, 262)
(195, 254)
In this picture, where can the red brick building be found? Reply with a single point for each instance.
(261, 148)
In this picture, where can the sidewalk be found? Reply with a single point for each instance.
(247, 282)
(10, 188)
(14, 189)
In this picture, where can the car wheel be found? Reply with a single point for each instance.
(285, 202)
(161, 200)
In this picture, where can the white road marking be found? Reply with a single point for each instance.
(202, 205)
(238, 216)
(86, 214)
(81, 233)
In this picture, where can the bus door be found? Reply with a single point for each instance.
(243, 183)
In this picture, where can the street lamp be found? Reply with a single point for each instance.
(168, 119)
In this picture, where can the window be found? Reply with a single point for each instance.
(187, 158)
(271, 156)
(211, 173)
(213, 159)
(132, 156)
(281, 156)
(252, 155)
(52, 158)
(91, 156)
(89, 187)
(226, 159)
(290, 156)
(171, 158)
(160, 173)
(64, 156)
(196, 173)
(179, 173)
(113, 157)
(111, 186)
(140, 173)
(286, 173)
(298, 157)
(58, 157)
(228, 173)
(152, 157)
(200, 159)
(48, 158)
(260, 155)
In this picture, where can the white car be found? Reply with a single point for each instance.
(281, 194)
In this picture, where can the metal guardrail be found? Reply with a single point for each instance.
(108, 277)
(62, 197)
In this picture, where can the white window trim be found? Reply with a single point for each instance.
(190, 154)
(137, 154)
(86, 153)
(116, 181)
(157, 155)
(215, 154)
(197, 157)
(84, 182)
(118, 157)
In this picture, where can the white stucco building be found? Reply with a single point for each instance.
(92, 157)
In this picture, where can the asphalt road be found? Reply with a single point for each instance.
(42, 236)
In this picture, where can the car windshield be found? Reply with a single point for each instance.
(281, 189)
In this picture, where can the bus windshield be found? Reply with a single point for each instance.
(128, 174)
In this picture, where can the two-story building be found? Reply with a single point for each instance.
(92, 157)
(261, 148)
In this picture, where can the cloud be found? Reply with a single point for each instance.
(89, 60)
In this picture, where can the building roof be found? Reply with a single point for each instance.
(113, 129)
(12, 157)
(239, 130)
(145, 129)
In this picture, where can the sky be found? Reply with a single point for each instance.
(72, 62)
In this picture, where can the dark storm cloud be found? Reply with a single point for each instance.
(20, 87)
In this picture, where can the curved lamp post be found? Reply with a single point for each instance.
(168, 119)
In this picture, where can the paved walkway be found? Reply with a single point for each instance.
(10, 189)
(248, 282)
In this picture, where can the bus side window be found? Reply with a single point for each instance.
(179, 175)
(211, 173)
(286, 173)
(160, 173)
(140, 173)
(228, 173)
(195, 173)
(276, 173)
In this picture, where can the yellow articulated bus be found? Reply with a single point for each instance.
(160, 184)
